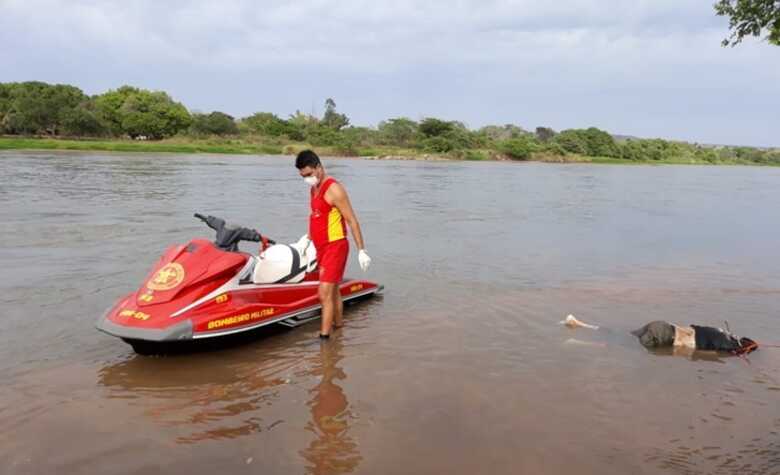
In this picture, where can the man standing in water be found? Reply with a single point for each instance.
(331, 212)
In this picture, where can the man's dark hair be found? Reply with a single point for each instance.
(307, 158)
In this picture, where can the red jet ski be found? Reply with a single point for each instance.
(206, 290)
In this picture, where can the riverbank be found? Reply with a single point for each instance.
(188, 145)
(255, 147)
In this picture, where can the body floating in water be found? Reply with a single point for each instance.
(661, 334)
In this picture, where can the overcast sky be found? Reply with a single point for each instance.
(651, 68)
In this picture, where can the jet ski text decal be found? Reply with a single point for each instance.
(135, 314)
(243, 318)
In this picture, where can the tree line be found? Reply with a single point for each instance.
(37, 108)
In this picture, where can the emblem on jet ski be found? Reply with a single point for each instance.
(167, 278)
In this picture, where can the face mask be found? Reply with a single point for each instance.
(311, 180)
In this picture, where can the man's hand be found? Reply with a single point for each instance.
(304, 242)
(364, 260)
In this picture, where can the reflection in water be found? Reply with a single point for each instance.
(333, 451)
(227, 402)
(691, 354)
(202, 405)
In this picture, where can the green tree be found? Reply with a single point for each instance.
(348, 140)
(138, 112)
(215, 123)
(438, 144)
(36, 107)
(431, 127)
(109, 105)
(600, 143)
(322, 136)
(572, 141)
(138, 124)
(360, 136)
(5, 107)
(631, 150)
(592, 142)
(302, 126)
(553, 148)
(461, 136)
(544, 134)
(519, 148)
(400, 132)
(265, 123)
(498, 133)
(772, 157)
(332, 119)
(750, 18)
(83, 121)
(444, 137)
(653, 149)
(706, 154)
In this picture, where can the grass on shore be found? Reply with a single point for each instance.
(674, 161)
(190, 145)
(170, 145)
(256, 146)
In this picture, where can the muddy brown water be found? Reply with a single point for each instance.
(460, 368)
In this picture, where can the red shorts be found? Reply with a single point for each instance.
(332, 259)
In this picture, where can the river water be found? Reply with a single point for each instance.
(461, 367)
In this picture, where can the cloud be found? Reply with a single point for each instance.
(471, 59)
(356, 34)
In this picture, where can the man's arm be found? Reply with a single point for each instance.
(337, 196)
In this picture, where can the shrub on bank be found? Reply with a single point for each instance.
(519, 148)
(215, 123)
(591, 142)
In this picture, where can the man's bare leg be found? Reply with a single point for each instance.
(338, 303)
(328, 307)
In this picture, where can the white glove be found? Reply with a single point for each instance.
(364, 260)
(304, 242)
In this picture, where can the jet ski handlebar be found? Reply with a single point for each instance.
(229, 236)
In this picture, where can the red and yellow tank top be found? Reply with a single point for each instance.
(326, 224)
